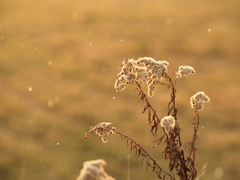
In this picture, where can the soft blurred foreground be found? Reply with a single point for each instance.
(58, 64)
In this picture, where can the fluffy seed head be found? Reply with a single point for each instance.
(103, 129)
(198, 99)
(94, 170)
(168, 123)
(144, 69)
(184, 70)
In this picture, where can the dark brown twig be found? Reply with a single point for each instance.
(173, 151)
(193, 149)
(153, 118)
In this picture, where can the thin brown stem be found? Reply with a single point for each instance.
(152, 118)
(150, 162)
(174, 146)
(193, 148)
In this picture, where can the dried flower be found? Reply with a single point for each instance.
(165, 63)
(125, 61)
(146, 70)
(198, 99)
(168, 123)
(94, 170)
(131, 77)
(121, 87)
(142, 74)
(184, 70)
(146, 61)
(151, 89)
(103, 129)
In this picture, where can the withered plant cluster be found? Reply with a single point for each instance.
(148, 70)
(94, 170)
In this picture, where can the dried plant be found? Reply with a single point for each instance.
(148, 70)
(94, 170)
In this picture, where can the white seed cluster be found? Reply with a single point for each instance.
(146, 70)
(198, 99)
(184, 70)
(94, 170)
(168, 123)
(103, 129)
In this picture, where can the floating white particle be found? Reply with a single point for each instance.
(36, 48)
(90, 44)
(57, 144)
(50, 103)
(50, 63)
(30, 89)
(121, 40)
(104, 69)
(218, 172)
(202, 126)
(113, 97)
(209, 30)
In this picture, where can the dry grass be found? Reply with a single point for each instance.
(69, 53)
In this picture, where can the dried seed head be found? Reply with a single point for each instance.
(160, 69)
(142, 74)
(94, 170)
(121, 87)
(178, 75)
(131, 77)
(151, 89)
(144, 69)
(168, 123)
(146, 61)
(103, 129)
(184, 70)
(198, 99)
(125, 61)
(165, 63)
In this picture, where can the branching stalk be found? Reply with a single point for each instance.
(148, 70)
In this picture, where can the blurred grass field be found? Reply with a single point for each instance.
(58, 63)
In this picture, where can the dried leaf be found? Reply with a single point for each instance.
(147, 165)
(149, 115)
(143, 96)
(138, 152)
(145, 108)
(143, 158)
(154, 167)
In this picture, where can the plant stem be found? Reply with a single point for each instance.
(142, 152)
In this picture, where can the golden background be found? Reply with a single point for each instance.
(58, 64)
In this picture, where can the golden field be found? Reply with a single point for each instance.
(58, 64)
